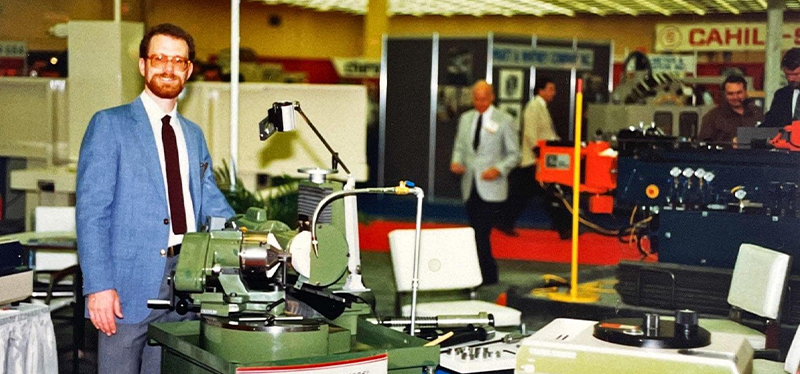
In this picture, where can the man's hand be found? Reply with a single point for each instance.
(490, 174)
(457, 168)
(103, 306)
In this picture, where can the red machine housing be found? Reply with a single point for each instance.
(598, 171)
(788, 137)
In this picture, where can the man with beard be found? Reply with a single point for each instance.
(144, 179)
(784, 107)
(720, 123)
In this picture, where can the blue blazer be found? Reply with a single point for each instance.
(121, 207)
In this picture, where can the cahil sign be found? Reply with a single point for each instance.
(678, 37)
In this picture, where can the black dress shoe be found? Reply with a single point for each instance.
(508, 232)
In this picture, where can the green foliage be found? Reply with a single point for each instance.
(280, 200)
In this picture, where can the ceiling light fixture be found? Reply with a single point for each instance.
(549, 7)
(614, 5)
(652, 6)
(727, 6)
(691, 7)
(581, 6)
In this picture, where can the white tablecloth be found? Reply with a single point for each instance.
(27, 340)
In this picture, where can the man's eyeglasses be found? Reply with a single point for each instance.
(160, 61)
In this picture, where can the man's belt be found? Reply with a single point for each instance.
(174, 250)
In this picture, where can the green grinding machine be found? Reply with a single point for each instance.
(271, 298)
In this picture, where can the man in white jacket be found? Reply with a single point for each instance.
(486, 149)
(537, 125)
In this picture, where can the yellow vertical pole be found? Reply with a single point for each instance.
(576, 189)
(576, 196)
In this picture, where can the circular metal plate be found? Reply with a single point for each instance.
(275, 328)
(628, 331)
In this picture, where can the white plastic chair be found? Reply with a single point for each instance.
(757, 286)
(448, 261)
(791, 366)
(52, 267)
(54, 219)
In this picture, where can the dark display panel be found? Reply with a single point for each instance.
(408, 103)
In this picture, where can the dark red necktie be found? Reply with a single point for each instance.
(177, 210)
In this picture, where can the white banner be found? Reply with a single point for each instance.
(378, 364)
(680, 64)
(357, 67)
(542, 57)
(9, 49)
(679, 37)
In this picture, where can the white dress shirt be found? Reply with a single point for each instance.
(154, 114)
(794, 100)
(536, 125)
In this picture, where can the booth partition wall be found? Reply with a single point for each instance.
(426, 85)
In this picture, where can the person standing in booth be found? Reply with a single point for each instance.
(785, 108)
(720, 124)
(144, 180)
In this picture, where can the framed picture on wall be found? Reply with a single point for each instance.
(511, 84)
(514, 109)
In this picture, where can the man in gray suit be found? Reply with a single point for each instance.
(486, 149)
(144, 180)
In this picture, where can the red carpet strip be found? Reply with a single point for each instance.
(530, 245)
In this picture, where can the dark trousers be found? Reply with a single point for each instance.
(483, 215)
(127, 351)
(522, 188)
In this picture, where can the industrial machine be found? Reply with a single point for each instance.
(644, 97)
(706, 202)
(701, 203)
(788, 137)
(633, 346)
(273, 298)
(598, 172)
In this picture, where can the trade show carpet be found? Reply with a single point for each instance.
(531, 245)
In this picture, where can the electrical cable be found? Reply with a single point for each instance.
(630, 234)
(629, 231)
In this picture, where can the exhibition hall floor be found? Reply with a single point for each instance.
(378, 276)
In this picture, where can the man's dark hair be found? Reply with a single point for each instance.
(734, 78)
(791, 59)
(169, 30)
(541, 83)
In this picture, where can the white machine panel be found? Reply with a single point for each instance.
(567, 346)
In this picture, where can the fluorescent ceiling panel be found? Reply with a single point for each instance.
(542, 7)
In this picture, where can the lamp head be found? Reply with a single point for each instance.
(280, 118)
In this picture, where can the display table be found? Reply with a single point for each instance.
(66, 242)
(27, 340)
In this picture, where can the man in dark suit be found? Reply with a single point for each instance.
(144, 180)
(785, 108)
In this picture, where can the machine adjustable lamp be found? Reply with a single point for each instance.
(281, 118)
